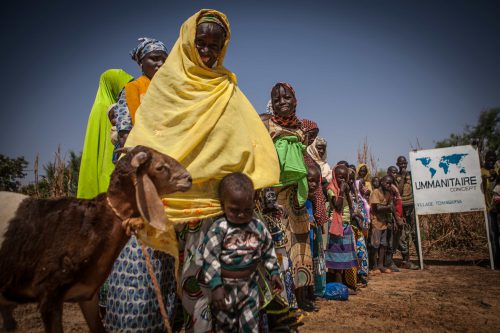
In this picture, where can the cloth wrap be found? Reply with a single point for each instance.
(293, 169)
(96, 164)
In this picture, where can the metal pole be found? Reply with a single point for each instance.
(419, 242)
(487, 224)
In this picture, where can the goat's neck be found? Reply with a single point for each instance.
(122, 198)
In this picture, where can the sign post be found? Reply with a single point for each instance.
(447, 180)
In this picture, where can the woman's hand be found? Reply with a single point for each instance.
(219, 298)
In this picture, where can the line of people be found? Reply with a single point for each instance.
(242, 262)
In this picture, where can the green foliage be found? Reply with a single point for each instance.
(485, 135)
(11, 170)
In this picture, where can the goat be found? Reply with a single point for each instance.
(57, 250)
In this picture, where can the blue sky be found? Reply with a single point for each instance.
(391, 71)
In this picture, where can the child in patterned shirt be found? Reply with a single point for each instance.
(235, 244)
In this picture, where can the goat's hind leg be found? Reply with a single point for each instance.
(9, 323)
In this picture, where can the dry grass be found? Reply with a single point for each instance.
(365, 155)
(457, 235)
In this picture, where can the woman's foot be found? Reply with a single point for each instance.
(385, 270)
(393, 268)
(362, 281)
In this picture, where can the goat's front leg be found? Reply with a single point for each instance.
(51, 308)
(90, 310)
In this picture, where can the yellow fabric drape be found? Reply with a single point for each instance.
(199, 116)
(134, 92)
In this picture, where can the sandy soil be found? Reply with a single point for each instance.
(438, 299)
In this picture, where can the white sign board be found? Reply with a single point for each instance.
(446, 180)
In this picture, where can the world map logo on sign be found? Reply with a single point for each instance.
(445, 162)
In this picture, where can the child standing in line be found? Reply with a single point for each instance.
(340, 255)
(395, 228)
(382, 207)
(235, 244)
(315, 236)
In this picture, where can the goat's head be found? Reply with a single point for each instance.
(154, 174)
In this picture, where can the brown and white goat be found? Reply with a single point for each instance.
(57, 250)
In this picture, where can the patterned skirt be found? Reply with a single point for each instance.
(131, 303)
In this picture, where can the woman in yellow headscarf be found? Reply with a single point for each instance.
(195, 112)
(363, 173)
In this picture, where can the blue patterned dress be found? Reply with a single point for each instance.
(131, 304)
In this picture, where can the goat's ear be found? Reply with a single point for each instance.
(139, 159)
(149, 202)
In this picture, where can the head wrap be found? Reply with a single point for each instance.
(290, 121)
(321, 160)
(309, 125)
(212, 18)
(146, 45)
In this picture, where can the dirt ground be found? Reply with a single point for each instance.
(437, 299)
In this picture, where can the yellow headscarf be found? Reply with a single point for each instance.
(199, 116)
(367, 178)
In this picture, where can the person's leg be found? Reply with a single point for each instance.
(382, 251)
(374, 253)
(410, 237)
(392, 242)
(494, 234)
(194, 296)
(248, 306)
(301, 296)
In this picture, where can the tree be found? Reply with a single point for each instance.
(11, 170)
(485, 135)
